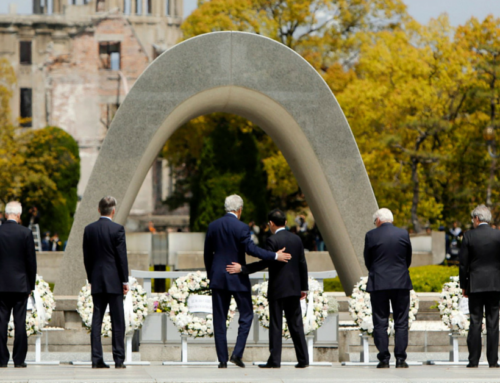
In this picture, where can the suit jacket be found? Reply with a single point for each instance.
(387, 258)
(285, 279)
(480, 260)
(105, 256)
(17, 258)
(228, 240)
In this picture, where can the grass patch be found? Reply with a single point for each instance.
(425, 279)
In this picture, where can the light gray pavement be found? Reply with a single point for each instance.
(337, 373)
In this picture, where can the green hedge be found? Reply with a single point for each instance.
(424, 278)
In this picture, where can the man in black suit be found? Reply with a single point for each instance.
(387, 258)
(105, 258)
(480, 282)
(228, 240)
(288, 284)
(17, 281)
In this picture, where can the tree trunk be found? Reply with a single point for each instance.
(416, 195)
(490, 182)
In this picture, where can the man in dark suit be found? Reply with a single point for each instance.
(105, 258)
(480, 282)
(227, 241)
(288, 284)
(17, 281)
(387, 258)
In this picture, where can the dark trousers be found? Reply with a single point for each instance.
(221, 300)
(15, 303)
(293, 315)
(115, 302)
(487, 302)
(400, 300)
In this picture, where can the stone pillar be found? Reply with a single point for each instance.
(132, 7)
(37, 7)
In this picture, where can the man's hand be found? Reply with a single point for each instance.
(282, 256)
(303, 295)
(125, 289)
(234, 268)
(464, 294)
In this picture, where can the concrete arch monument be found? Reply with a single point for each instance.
(259, 79)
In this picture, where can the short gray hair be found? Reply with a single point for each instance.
(233, 203)
(14, 208)
(384, 215)
(106, 205)
(482, 213)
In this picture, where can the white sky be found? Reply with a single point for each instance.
(459, 11)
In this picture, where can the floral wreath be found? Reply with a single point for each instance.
(448, 305)
(313, 318)
(41, 313)
(361, 310)
(176, 304)
(135, 307)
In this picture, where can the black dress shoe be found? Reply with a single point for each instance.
(100, 365)
(3, 366)
(496, 365)
(300, 365)
(401, 363)
(383, 364)
(470, 365)
(268, 366)
(120, 365)
(22, 365)
(223, 365)
(237, 361)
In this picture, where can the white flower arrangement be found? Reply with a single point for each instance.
(134, 316)
(176, 304)
(313, 317)
(36, 321)
(448, 305)
(361, 310)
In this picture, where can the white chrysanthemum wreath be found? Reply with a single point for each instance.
(135, 308)
(313, 317)
(448, 305)
(176, 304)
(361, 310)
(41, 313)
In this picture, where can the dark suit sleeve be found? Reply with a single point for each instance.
(366, 253)
(464, 262)
(254, 267)
(254, 250)
(304, 278)
(88, 260)
(121, 254)
(408, 252)
(208, 253)
(31, 261)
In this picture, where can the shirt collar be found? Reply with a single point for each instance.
(230, 212)
(103, 216)
(482, 223)
(11, 220)
(280, 229)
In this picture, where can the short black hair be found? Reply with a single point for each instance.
(277, 217)
(106, 205)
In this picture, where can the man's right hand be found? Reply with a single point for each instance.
(282, 256)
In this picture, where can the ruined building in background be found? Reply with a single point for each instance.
(75, 60)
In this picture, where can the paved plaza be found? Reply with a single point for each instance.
(337, 373)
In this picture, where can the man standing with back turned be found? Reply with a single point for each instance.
(17, 281)
(105, 258)
(288, 284)
(387, 258)
(226, 242)
(480, 281)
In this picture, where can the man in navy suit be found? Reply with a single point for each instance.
(387, 258)
(105, 259)
(17, 281)
(227, 241)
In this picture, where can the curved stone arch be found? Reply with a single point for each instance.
(256, 78)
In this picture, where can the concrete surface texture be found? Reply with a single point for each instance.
(337, 373)
(259, 79)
